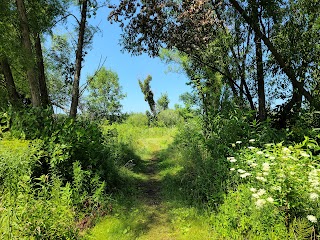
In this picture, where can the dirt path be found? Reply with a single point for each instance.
(150, 189)
(158, 226)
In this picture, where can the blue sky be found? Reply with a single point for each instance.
(130, 68)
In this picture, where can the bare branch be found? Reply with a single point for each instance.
(84, 86)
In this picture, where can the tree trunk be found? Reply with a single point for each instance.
(11, 87)
(285, 66)
(286, 113)
(259, 66)
(79, 55)
(42, 78)
(31, 75)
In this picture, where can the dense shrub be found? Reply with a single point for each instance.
(137, 120)
(39, 208)
(54, 181)
(284, 177)
(169, 118)
(258, 182)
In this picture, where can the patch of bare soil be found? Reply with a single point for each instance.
(151, 188)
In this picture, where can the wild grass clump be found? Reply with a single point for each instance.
(39, 208)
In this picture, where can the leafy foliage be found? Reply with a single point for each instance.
(62, 177)
(105, 94)
(163, 102)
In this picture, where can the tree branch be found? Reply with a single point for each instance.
(285, 66)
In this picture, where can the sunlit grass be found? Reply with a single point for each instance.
(147, 223)
(134, 218)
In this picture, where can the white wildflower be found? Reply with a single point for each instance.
(262, 179)
(259, 152)
(253, 189)
(260, 203)
(252, 140)
(251, 148)
(265, 173)
(241, 171)
(254, 165)
(231, 159)
(245, 175)
(238, 142)
(313, 178)
(286, 150)
(272, 158)
(265, 167)
(232, 169)
(261, 192)
(312, 218)
(304, 154)
(267, 155)
(270, 200)
(314, 196)
(255, 195)
(233, 145)
(276, 188)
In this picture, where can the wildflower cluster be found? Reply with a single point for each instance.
(280, 175)
(313, 179)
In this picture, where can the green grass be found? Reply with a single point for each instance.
(134, 217)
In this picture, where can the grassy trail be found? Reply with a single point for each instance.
(150, 211)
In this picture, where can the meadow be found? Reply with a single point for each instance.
(85, 180)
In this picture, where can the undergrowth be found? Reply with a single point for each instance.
(56, 175)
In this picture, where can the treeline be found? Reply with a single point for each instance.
(35, 74)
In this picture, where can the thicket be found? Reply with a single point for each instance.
(258, 182)
(165, 118)
(56, 174)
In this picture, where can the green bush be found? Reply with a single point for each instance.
(169, 118)
(285, 177)
(59, 179)
(256, 182)
(238, 218)
(137, 120)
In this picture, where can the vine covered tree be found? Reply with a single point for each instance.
(148, 94)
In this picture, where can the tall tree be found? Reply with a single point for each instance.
(192, 27)
(9, 82)
(256, 15)
(41, 72)
(31, 74)
(79, 58)
(285, 66)
(104, 95)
